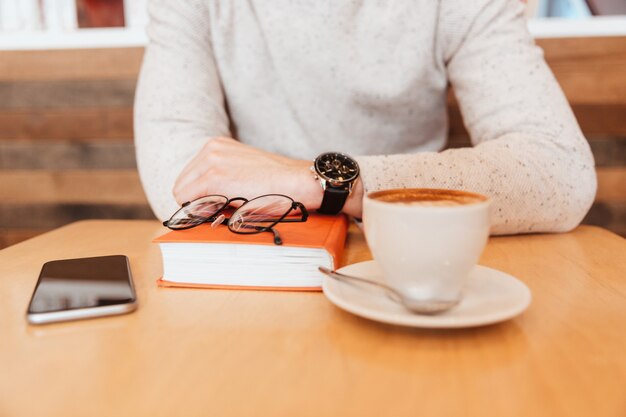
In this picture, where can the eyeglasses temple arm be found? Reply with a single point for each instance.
(303, 210)
(277, 238)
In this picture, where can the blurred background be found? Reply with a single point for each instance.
(68, 70)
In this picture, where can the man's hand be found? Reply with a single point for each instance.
(227, 167)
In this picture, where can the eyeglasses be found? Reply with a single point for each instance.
(257, 215)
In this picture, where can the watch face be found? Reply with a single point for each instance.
(336, 167)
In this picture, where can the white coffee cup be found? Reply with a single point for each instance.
(426, 241)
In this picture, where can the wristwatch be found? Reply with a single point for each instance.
(337, 173)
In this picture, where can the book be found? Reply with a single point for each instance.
(206, 257)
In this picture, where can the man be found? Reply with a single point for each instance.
(238, 97)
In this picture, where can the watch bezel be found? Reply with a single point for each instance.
(332, 181)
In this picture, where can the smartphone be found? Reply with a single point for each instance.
(73, 289)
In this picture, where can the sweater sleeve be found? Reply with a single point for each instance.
(528, 152)
(179, 100)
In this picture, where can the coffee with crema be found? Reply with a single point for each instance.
(427, 197)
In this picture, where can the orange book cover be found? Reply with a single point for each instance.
(319, 231)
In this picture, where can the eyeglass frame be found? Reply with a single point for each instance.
(260, 229)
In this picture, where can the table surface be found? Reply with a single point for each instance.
(215, 352)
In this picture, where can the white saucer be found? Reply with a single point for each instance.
(490, 296)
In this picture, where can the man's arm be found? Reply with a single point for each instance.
(530, 155)
(179, 101)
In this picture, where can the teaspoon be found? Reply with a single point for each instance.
(414, 306)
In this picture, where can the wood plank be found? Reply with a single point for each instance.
(610, 215)
(117, 122)
(70, 64)
(590, 70)
(601, 119)
(597, 48)
(52, 215)
(593, 119)
(62, 94)
(55, 155)
(608, 151)
(592, 83)
(83, 124)
(459, 141)
(73, 186)
(611, 185)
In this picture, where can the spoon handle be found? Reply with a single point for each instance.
(343, 277)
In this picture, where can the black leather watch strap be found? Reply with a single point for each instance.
(333, 201)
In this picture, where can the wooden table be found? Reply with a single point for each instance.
(249, 353)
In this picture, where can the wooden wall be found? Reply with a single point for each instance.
(66, 150)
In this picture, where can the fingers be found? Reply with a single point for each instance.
(227, 167)
(193, 168)
(192, 190)
(191, 182)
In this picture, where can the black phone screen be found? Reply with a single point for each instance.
(70, 284)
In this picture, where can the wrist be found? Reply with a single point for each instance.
(308, 190)
(354, 203)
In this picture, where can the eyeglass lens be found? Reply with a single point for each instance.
(198, 211)
(260, 213)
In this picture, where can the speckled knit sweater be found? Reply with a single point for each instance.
(368, 78)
